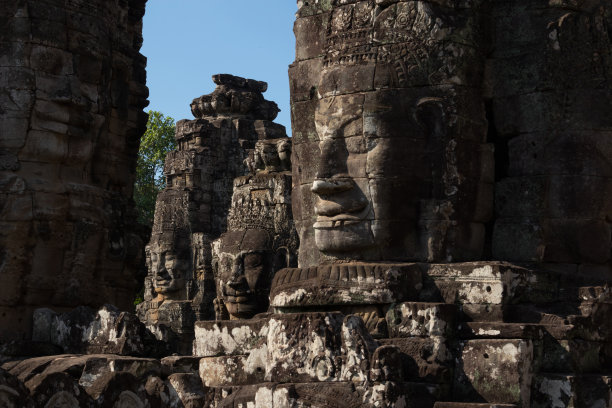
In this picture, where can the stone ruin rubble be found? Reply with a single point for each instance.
(436, 233)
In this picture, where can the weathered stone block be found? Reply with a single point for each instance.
(311, 347)
(14, 132)
(58, 389)
(13, 394)
(518, 240)
(84, 330)
(229, 337)
(345, 284)
(424, 359)
(573, 356)
(98, 366)
(498, 330)
(564, 197)
(187, 391)
(386, 364)
(577, 240)
(487, 284)
(308, 8)
(561, 153)
(412, 319)
(181, 364)
(496, 370)
(17, 78)
(471, 405)
(310, 36)
(304, 83)
(52, 60)
(546, 110)
(233, 370)
(560, 391)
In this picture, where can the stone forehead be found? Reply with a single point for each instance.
(389, 44)
(169, 241)
(246, 240)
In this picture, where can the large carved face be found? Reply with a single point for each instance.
(390, 167)
(374, 171)
(169, 268)
(243, 267)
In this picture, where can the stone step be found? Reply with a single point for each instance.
(499, 330)
(424, 359)
(181, 364)
(498, 370)
(471, 405)
(497, 283)
(491, 283)
(329, 394)
(568, 390)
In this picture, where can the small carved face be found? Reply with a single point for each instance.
(269, 155)
(243, 266)
(168, 269)
(242, 282)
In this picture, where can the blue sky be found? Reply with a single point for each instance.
(187, 41)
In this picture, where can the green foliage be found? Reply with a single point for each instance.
(139, 298)
(157, 141)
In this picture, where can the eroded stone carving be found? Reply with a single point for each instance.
(384, 150)
(390, 166)
(261, 238)
(71, 116)
(233, 128)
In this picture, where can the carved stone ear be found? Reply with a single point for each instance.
(281, 259)
(148, 257)
(430, 114)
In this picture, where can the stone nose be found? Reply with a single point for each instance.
(161, 270)
(237, 274)
(332, 160)
(161, 266)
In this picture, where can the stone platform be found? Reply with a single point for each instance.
(470, 335)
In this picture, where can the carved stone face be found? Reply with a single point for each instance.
(168, 268)
(374, 170)
(243, 269)
(241, 277)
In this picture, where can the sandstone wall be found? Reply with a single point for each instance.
(549, 79)
(72, 93)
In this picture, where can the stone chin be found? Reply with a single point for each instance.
(168, 286)
(242, 310)
(345, 237)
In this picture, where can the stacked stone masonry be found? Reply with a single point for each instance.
(72, 93)
(226, 206)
